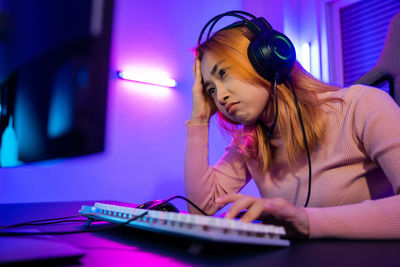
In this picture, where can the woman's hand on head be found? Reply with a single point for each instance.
(275, 211)
(202, 107)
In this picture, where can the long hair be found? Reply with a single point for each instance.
(231, 45)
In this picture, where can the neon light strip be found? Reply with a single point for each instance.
(305, 56)
(149, 78)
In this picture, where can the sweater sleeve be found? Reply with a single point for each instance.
(370, 219)
(377, 128)
(203, 182)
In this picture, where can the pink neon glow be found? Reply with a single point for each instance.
(146, 89)
(123, 253)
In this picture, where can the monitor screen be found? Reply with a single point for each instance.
(53, 78)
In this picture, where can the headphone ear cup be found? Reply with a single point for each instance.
(270, 53)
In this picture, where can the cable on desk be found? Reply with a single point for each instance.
(37, 222)
(62, 219)
(71, 232)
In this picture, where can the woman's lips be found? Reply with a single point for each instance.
(231, 107)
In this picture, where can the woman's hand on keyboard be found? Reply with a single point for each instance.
(277, 211)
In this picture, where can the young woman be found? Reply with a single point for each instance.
(353, 135)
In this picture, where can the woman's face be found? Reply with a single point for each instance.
(239, 101)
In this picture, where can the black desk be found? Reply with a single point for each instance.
(129, 247)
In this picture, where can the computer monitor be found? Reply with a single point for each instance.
(54, 69)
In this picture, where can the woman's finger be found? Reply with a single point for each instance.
(238, 205)
(194, 68)
(197, 72)
(253, 212)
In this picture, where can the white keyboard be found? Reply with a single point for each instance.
(197, 226)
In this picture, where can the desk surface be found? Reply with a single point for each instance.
(129, 247)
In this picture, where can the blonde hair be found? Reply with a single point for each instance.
(231, 45)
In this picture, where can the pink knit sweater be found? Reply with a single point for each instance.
(355, 172)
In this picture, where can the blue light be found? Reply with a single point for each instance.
(61, 113)
(9, 147)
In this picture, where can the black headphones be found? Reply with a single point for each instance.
(270, 52)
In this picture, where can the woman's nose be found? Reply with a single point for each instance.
(222, 95)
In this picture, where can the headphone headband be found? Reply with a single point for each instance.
(234, 13)
(271, 53)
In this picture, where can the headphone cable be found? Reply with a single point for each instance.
(271, 129)
(305, 140)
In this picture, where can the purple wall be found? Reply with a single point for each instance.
(145, 130)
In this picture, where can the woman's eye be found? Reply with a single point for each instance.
(211, 91)
(222, 73)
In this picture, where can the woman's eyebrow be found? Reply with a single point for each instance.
(206, 84)
(213, 71)
(215, 68)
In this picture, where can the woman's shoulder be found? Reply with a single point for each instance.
(361, 101)
(360, 90)
(361, 93)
